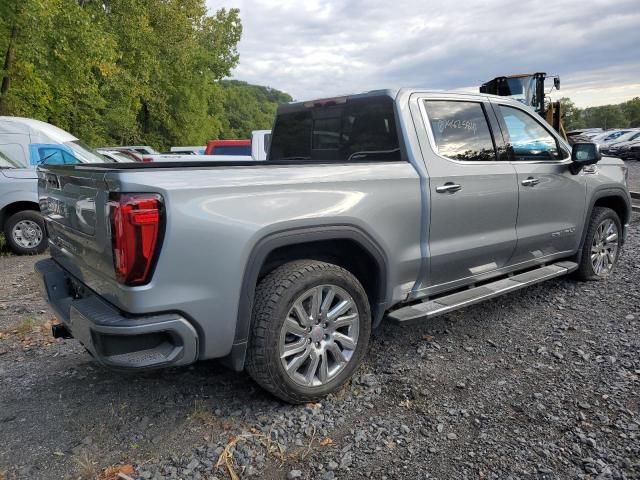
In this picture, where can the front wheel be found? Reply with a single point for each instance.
(311, 328)
(601, 246)
(25, 233)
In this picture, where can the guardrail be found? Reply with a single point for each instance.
(635, 201)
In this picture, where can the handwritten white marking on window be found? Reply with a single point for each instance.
(457, 124)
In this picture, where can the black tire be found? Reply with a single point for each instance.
(274, 298)
(586, 270)
(28, 216)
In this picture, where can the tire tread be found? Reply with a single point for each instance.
(269, 293)
(585, 270)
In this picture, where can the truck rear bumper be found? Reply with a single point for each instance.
(115, 340)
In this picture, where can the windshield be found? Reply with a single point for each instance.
(523, 89)
(232, 150)
(84, 153)
(6, 162)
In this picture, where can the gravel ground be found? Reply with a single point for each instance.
(543, 383)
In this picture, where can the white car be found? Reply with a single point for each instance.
(188, 150)
(26, 143)
(115, 156)
(611, 136)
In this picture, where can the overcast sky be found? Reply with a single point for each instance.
(316, 48)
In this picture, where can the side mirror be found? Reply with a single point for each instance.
(584, 153)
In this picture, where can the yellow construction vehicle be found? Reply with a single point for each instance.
(528, 88)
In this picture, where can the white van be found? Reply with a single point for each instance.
(24, 144)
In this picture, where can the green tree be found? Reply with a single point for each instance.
(632, 112)
(606, 116)
(249, 107)
(118, 71)
(572, 115)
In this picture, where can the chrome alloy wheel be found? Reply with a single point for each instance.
(604, 248)
(27, 233)
(319, 335)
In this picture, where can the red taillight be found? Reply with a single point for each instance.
(136, 224)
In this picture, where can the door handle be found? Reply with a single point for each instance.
(530, 182)
(449, 187)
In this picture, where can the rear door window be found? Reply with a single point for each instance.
(460, 130)
(344, 131)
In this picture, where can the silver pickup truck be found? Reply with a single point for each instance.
(385, 206)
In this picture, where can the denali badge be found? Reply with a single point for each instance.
(52, 181)
(56, 207)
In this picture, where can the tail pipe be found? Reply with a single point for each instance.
(60, 331)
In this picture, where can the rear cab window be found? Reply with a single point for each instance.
(461, 130)
(341, 130)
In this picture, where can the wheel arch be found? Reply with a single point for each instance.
(616, 199)
(15, 207)
(344, 245)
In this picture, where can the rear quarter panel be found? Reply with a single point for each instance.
(216, 216)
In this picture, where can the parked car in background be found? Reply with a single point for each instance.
(234, 152)
(609, 136)
(24, 144)
(229, 147)
(257, 147)
(582, 133)
(400, 204)
(140, 149)
(188, 150)
(20, 218)
(132, 154)
(612, 148)
(260, 143)
(116, 156)
(630, 152)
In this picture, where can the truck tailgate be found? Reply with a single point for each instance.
(74, 205)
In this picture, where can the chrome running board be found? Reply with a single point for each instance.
(448, 303)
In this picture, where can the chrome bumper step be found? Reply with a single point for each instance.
(448, 303)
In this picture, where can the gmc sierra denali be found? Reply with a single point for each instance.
(389, 205)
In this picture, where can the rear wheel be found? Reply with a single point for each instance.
(602, 245)
(25, 233)
(311, 328)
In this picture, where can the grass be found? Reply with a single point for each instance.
(4, 250)
(87, 466)
(202, 414)
(26, 326)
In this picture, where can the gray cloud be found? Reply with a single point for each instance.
(318, 48)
